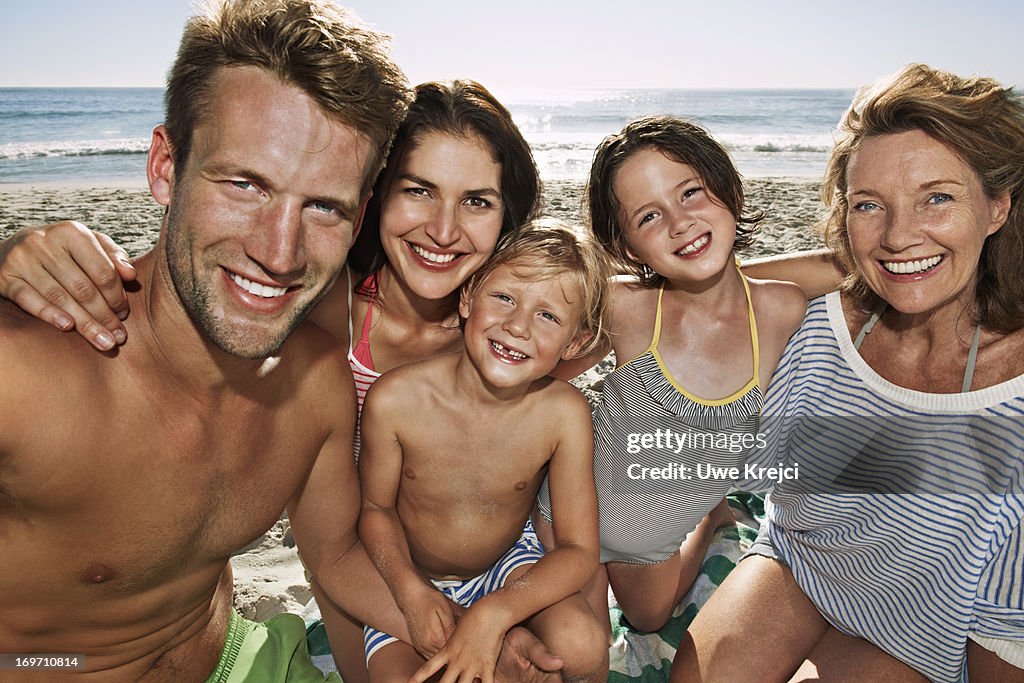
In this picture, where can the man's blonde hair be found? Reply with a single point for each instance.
(315, 45)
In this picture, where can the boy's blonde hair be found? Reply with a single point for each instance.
(548, 248)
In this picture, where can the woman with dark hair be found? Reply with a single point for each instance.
(459, 176)
(898, 554)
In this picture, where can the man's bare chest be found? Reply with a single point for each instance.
(139, 511)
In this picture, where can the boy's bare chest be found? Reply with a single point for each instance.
(489, 460)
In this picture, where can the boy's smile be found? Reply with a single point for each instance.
(508, 354)
(518, 326)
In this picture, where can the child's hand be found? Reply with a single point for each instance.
(471, 651)
(430, 617)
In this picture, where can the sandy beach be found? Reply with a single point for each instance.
(268, 576)
(129, 214)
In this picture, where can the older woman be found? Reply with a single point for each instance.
(898, 554)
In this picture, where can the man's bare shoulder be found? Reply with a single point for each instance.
(48, 376)
(332, 313)
(31, 351)
(19, 330)
(318, 364)
(313, 342)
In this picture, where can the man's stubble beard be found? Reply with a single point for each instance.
(196, 298)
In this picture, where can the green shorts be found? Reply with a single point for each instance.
(272, 651)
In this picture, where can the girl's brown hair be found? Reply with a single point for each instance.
(680, 141)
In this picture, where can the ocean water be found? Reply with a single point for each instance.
(100, 134)
(76, 134)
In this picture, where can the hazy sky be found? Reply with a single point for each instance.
(555, 44)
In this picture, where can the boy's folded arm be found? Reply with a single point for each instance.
(380, 470)
(473, 649)
(381, 533)
(324, 509)
(324, 515)
(388, 549)
(555, 577)
(427, 612)
(566, 569)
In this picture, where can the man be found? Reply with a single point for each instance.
(125, 486)
(127, 483)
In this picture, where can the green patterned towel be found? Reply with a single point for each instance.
(639, 657)
(647, 657)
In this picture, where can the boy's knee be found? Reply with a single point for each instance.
(582, 643)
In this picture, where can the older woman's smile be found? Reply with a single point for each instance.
(918, 218)
(914, 267)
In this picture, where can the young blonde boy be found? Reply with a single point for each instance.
(454, 451)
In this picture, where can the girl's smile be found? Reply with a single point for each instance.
(670, 221)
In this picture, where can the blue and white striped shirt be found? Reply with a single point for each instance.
(905, 527)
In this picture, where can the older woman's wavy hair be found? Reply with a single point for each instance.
(979, 120)
(546, 248)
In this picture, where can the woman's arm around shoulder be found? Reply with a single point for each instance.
(69, 276)
(779, 308)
